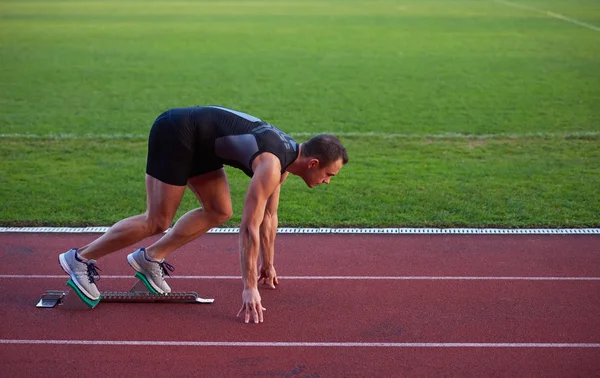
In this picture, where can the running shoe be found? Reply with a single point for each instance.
(153, 270)
(83, 273)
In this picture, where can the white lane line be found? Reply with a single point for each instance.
(340, 278)
(328, 230)
(298, 344)
(548, 13)
(573, 21)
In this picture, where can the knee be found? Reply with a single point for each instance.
(158, 224)
(221, 215)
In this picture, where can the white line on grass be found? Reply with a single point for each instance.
(339, 278)
(548, 13)
(326, 230)
(298, 344)
(341, 134)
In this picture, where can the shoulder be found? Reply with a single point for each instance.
(266, 177)
(267, 162)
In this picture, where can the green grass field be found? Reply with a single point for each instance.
(455, 112)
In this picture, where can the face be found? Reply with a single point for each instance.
(317, 174)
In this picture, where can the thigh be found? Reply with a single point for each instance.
(212, 189)
(162, 199)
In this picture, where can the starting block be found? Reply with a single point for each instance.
(140, 292)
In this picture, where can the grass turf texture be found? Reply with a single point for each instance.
(514, 183)
(415, 68)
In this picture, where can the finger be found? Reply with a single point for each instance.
(276, 281)
(241, 309)
(272, 282)
(247, 319)
(255, 314)
(260, 314)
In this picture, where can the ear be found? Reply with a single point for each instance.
(313, 163)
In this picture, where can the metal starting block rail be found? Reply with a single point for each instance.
(141, 292)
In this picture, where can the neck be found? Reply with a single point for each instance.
(298, 166)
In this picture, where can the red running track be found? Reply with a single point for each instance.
(412, 321)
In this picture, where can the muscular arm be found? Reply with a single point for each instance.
(263, 184)
(268, 232)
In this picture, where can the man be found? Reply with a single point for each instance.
(188, 147)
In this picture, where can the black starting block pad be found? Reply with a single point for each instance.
(141, 292)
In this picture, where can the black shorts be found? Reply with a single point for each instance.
(174, 154)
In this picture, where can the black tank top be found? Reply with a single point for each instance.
(237, 138)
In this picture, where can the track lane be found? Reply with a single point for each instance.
(335, 311)
(339, 255)
(94, 361)
(322, 311)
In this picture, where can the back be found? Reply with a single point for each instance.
(236, 138)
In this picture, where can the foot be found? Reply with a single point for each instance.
(83, 272)
(153, 270)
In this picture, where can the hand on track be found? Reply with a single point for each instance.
(251, 304)
(268, 277)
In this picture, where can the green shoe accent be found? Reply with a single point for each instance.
(144, 280)
(86, 300)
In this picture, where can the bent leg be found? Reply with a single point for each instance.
(162, 201)
(212, 190)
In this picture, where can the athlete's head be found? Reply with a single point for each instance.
(325, 156)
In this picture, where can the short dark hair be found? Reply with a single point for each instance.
(326, 148)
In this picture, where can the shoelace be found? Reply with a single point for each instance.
(92, 271)
(165, 267)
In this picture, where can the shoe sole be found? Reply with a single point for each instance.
(139, 269)
(67, 269)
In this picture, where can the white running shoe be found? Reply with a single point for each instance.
(154, 271)
(83, 273)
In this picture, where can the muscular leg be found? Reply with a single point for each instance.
(162, 201)
(212, 189)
